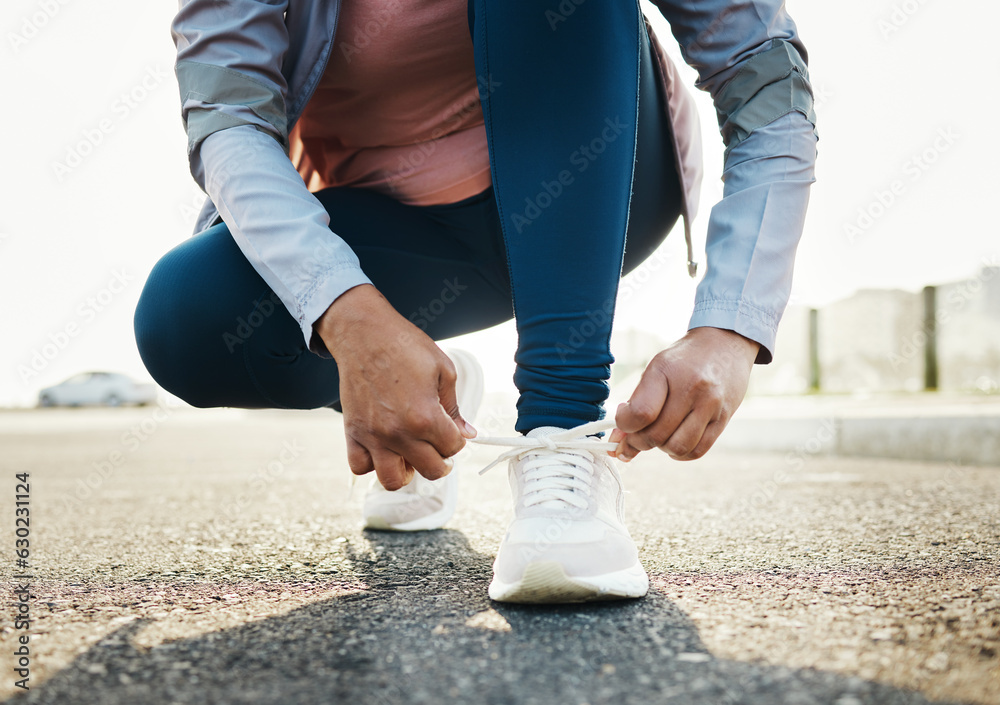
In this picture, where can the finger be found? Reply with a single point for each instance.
(430, 424)
(688, 434)
(616, 437)
(358, 458)
(672, 415)
(678, 445)
(448, 397)
(426, 460)
(625, 452)
(646, 402)
(708, 439)
(391, 470)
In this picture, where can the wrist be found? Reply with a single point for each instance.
(355, 307)
(729, 339)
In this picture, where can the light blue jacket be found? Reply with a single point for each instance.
(246, 70)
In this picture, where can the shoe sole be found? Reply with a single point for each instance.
(545, 582)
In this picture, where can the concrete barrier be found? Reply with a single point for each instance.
(918, 428)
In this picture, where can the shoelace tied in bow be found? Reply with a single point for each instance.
(558, 467)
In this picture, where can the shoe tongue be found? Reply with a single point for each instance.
(544, 431)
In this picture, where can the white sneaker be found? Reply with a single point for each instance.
(567, 541)
(425, 504)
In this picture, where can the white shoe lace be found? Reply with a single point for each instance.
(559, 467)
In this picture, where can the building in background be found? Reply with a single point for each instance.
(945, 337)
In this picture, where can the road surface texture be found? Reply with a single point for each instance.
(184, 556)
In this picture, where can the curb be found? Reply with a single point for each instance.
(967, 439)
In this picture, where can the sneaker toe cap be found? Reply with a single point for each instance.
(583, 559)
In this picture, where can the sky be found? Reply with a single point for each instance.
(95, 185)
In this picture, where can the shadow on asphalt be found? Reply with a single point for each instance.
(423, 631)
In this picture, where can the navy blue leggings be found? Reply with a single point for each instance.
(571, 109)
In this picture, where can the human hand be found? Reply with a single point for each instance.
(686, 396)
(397, 390)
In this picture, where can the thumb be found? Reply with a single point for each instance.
(449, 402)
(645, 404)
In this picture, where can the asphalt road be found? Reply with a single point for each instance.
(215, 557)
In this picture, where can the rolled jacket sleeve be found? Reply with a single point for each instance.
(751, 61)
(754, 230)
(281, 228)
(233, 103)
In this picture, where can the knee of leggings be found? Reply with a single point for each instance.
(159, 335)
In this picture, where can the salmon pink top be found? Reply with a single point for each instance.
(397, 109)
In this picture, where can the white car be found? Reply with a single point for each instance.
(98, 388)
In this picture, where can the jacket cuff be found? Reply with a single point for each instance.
(739, 317)
(328, 290)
